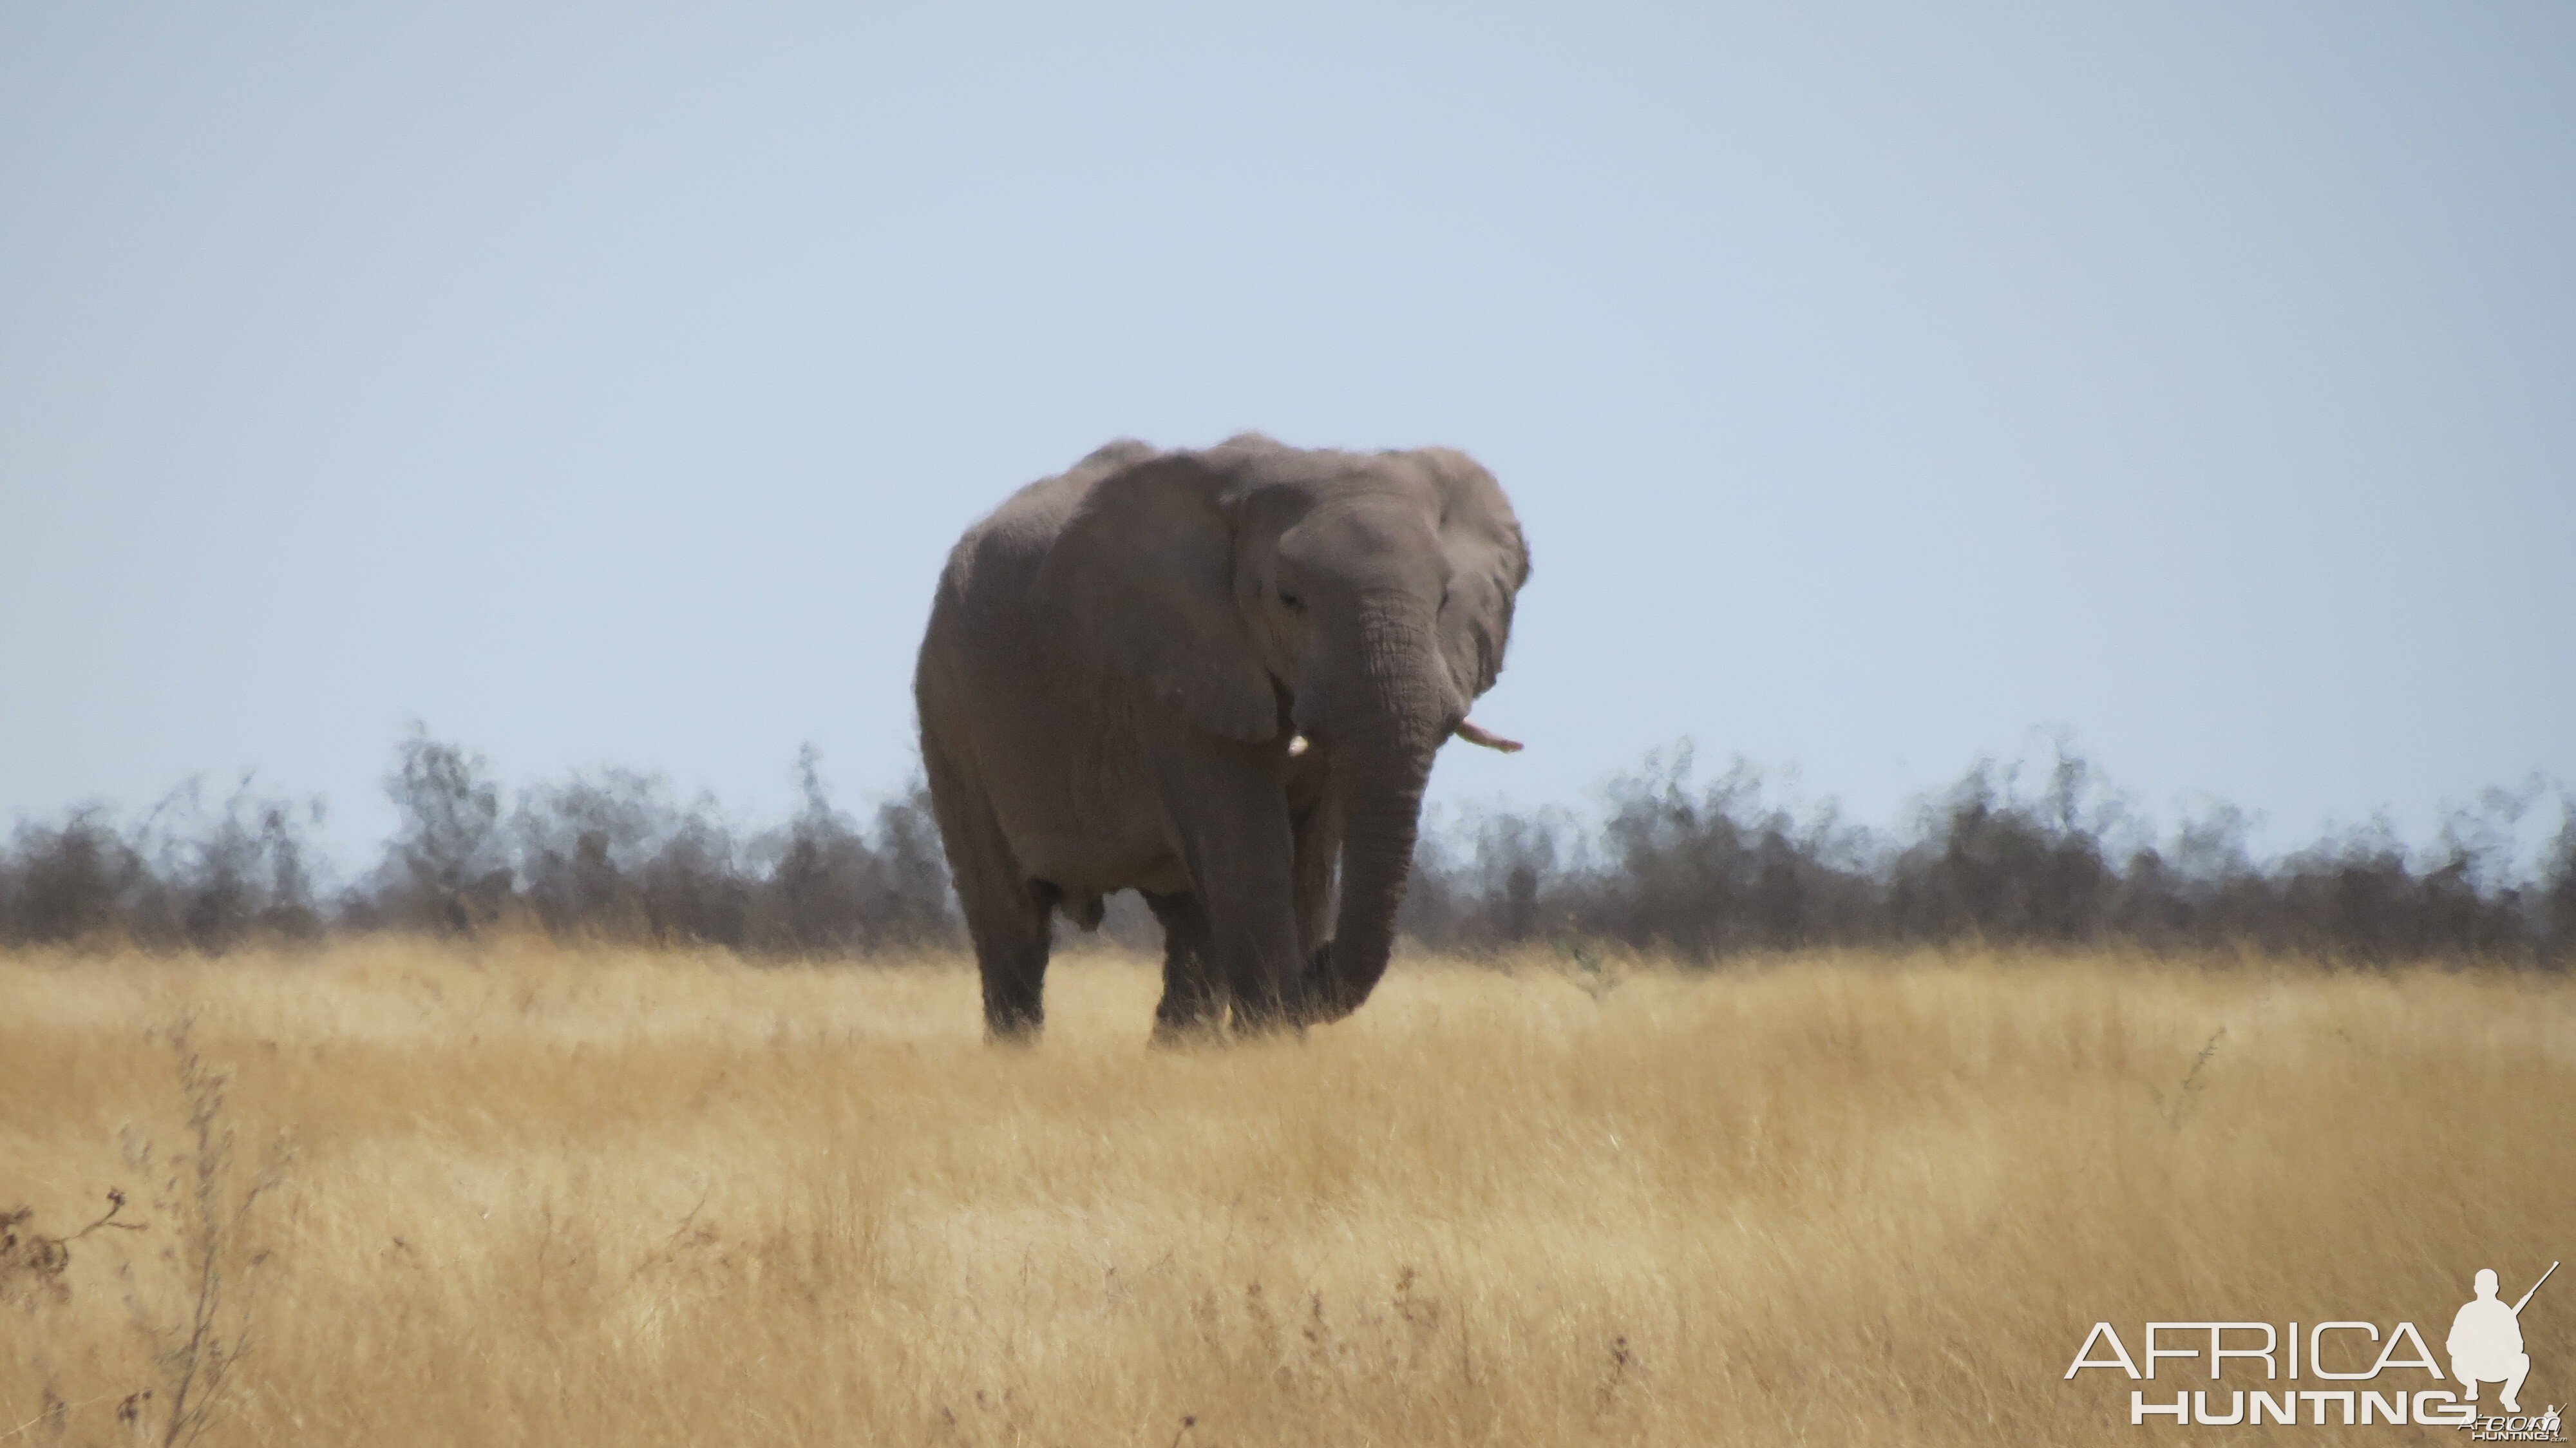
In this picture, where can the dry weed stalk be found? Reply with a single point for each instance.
(196, 1356)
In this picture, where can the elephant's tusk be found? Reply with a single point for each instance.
(1297, 746)
(1473, 734)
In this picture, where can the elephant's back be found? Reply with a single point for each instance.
(986, 634)
(999, 557)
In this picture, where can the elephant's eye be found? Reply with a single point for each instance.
(1295, 604)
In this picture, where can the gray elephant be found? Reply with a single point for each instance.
(1217, 678)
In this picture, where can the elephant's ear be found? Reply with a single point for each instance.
(1143, 577)
(1488, 563)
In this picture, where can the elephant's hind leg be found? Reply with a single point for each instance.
(1192, 1005)
(1007, 915)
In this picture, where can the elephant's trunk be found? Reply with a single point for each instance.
(1393, 720)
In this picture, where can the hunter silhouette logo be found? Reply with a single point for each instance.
(2486, 1341)
(2354, 1387)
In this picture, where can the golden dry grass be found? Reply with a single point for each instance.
(591, 1197)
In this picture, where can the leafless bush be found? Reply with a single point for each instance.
(447, 868)
(186, 876)
(1989, 863)
(611, 857)
(1491, 880)
(831, 888)
(1726, 869)
(2557, 891)
(71, 882)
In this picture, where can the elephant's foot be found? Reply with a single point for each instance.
(1170, 1035)
(1188, 1016)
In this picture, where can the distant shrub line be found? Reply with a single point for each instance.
(610, 857)
(1704, 872)
(1716, 871)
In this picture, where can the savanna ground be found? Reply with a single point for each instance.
(520, 1195)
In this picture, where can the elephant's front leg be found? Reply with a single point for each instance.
(1229, 813)
(1192, 1005)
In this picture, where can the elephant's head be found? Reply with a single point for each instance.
(1357, 602)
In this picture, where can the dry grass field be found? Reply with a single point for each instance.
(520, 1195)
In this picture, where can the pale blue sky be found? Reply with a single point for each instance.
(604, 383)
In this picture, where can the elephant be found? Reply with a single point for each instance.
(1218, 678)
